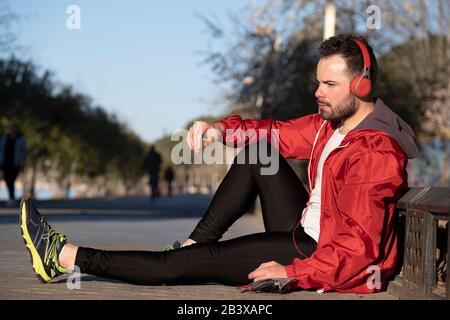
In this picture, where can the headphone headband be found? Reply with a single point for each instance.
(365, 52)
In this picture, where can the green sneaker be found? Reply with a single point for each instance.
(43, 242)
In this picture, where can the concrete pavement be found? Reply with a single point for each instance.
(121, 224)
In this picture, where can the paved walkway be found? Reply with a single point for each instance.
(131, 223)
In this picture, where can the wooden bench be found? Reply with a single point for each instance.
(423, 243)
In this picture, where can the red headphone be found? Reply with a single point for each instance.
(361, 85)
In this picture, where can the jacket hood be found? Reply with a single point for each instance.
(384, 119)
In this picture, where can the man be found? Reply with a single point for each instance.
(13, 152)
(329, 239)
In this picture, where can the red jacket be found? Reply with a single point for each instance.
(361, 179)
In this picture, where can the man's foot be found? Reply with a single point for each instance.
(43, 242)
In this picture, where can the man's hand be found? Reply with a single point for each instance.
(268, 270)
(195, 134)
(188, 242)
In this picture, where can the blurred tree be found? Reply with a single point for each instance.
(271, 58)
(67, 137)
(421, 97)
(7, 35)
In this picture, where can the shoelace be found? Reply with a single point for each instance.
(52, 245)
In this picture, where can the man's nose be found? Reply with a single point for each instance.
(319, 93)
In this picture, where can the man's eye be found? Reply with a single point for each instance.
(331, 84)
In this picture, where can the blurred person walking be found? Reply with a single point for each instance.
(13, 151)
(152, 164)
(169, 176)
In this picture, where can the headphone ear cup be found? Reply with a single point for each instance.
(361, 87)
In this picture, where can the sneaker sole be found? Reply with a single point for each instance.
(36, 260)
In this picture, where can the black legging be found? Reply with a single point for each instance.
(282, 197)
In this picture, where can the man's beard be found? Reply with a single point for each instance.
(342, 111)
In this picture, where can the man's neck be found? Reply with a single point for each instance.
(364, 109)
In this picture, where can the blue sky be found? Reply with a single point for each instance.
(137, 59)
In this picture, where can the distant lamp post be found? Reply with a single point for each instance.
(329, 28)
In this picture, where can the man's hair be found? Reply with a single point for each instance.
(344, 45)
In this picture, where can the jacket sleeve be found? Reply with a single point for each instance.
(293, 138)
(341, 261)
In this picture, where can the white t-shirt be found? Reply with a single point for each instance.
(311, 218)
